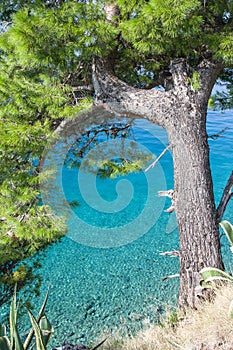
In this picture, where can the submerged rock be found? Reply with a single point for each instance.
(67, 346)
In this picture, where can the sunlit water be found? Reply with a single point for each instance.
(95, 290)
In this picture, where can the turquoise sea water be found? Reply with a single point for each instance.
(109, 277)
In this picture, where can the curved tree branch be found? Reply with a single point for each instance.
(208, 73)
(119, 97)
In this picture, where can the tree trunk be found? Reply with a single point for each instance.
(194, 201)
(182, 112)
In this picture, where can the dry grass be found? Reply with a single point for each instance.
(208, 328)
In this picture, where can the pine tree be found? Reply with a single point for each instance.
(34, 99)
(48, 74)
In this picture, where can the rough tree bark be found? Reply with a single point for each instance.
(182, 112)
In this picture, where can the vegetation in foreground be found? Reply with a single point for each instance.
(210, 327)
(39, 334)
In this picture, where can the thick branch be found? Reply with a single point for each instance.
(179, 71)
(117, 96)
(208, 73)
(227, 194)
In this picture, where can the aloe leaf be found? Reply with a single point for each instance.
(40, 314)
(38, 333)
(18, 342)
(42, 309)
(228, 229)
(13, 318)
(5, 343)
(210, 274)
(15, 341)
(46, 329)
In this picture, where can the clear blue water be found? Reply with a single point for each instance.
(106, 275)
(221, 158)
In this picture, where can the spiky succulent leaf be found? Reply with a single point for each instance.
(46, 329)
(2, 330)
(228, 229)
(5, 343)
(13, 318)
(18, 341)
(211, 274)
(15, 341)
(40, 315)
(38, 333)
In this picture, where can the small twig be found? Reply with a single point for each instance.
(171, 276)
(169, 194)
(107, 131)
(157, 159)
(171, 253)
(227, 195)
(23, 216)
(98, 345)
(83, 87)
(4, 26)
(216, 136)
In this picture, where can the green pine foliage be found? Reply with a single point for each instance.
(120, 167)
(35, 97)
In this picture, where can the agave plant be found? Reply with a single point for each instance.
(212, 274)
(40, 332)
(228, 229)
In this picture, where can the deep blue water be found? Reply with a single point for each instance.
(107, 273)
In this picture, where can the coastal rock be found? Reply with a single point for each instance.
(67, 346)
